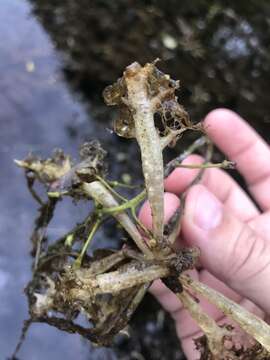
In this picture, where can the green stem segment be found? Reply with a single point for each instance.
(79, 259)
(133, 203)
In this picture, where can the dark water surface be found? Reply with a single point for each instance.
(37, 113)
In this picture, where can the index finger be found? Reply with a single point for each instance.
(240, 142)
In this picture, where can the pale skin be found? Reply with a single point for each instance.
(232, 232)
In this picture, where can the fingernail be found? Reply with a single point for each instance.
(208, 211)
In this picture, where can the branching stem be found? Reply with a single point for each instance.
(102, 196)
(178, 160)
(249, 322)
(109, 187)
(130, 204)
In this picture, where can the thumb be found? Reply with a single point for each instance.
(230, 249)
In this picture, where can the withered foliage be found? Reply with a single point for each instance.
(46, 170)
(107, 287)
(160, 87)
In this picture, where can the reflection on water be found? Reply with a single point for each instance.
(36, 111)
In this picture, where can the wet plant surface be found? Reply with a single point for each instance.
(210, 53)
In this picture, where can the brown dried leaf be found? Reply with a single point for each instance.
(47, 170)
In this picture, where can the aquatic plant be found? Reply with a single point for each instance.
(108, 286)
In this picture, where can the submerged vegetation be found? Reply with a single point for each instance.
(107, 286)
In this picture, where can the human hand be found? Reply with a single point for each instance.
(223, 221)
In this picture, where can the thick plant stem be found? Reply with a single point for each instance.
(103, 196)
(214, 334)
(115, 281)
(249, 322)
(149, 142)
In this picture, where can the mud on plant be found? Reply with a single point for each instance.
(107, 287)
